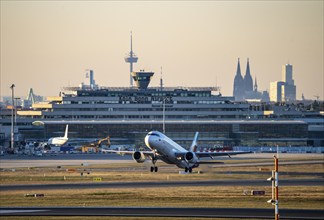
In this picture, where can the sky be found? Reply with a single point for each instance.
(46, 45)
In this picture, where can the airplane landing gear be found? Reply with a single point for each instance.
(188, 169)
(154, 168)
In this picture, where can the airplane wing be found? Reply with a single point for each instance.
(213, 154)
(219, 154)
(123, 152)
(210, 162)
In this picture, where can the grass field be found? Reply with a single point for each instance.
(211, 196)
(139, 172)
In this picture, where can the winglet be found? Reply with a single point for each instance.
(193, 146)
(66, 131)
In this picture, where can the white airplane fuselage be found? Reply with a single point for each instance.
(58, 141)
(167, 149)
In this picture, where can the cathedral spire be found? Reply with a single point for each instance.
(238, 70)
(248, 67)
(238, 90)
(255, 85)
(248, 82)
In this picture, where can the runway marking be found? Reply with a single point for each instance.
(255, 213)
(149, 184)
(20, 211)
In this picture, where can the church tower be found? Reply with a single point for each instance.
(238, 91)
(255, 85)
(248, 82)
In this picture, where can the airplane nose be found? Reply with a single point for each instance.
(147, 141)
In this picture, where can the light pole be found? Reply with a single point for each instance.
(16, 104)
(12, 117)
(164, 115)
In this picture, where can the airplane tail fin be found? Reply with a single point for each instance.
(66, 131)
(193, 146)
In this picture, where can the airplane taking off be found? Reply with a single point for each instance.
(59, 141)
(165, 149)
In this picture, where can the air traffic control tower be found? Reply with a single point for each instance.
(142, 79)
(131, 58)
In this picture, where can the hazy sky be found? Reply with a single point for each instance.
(48, 45)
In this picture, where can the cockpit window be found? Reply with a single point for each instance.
(154, 134)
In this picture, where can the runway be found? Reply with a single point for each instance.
(19, 161)
(163, 212)
(147, 184)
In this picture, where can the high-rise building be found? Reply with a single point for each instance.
(289, 87)
(285, 90)
(287, 74)
(289, 92)
(277, 91)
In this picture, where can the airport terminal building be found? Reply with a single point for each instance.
(127, 114)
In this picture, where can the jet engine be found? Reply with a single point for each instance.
(191, 157)
(139, 157)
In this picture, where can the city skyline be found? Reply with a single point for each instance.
(48, 45)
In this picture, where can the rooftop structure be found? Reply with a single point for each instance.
(92, 83)
(142, 79)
